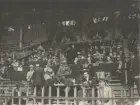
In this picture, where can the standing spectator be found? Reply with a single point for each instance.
(38, 78)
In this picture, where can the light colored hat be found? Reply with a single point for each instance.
(78, 53)
(37, 65)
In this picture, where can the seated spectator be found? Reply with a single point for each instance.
(48, 75)
(30, 73)
(20, 68)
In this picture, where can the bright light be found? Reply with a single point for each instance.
(68, 23)
(10, 29)
(29, 26)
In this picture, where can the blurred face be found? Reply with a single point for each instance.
(31, 68)
(73, 46)
(101, 83)
(108, 59)
(37, 67)
(86, 75)
(9, 59)
(118, 58)
(132, 56)
(110, 54)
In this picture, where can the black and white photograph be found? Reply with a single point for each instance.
(70, 52)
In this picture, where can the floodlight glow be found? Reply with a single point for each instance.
(10, 29)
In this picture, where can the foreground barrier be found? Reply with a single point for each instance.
(18, 98)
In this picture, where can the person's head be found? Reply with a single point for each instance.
(100, 58)
(102, 83)
(9, 59)
(86, 75)
(37, 66)
(110, 54)
(31, 67)
(89, 55)
(114, 53)
(79, 54)
(108, 58)
(73, 46)
(118, 57)
(132, 56)
(121, 52)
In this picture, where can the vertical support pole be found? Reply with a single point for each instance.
(21, 37)
(84, 94)
(5, 101)
(43, 95)
(138, 84)
(27, 94)
(121, 96)
(66, 95)
(58, 94)
(19, 96)
(112, 96)
(132, 95)
(126, 77)
(50, 94)
(75, 95)
(93, 101)
(12, 96)
(35, 94)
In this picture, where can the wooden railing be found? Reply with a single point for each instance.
(58, 99)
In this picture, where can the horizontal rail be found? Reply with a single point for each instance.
(67, 98)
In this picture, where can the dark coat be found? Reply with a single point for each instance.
(38, 77)
(135, 66)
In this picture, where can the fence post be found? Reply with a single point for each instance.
(19, 96)
(58, 94)
(50, 94)
(75, 95)
(12, 95)
(5, 100)
(66, 95)
(43, 95)
(84, 94)
(132, 95)
(35, 94)
(27, 94)
(112, 100)
(93, 101)
(121, 95)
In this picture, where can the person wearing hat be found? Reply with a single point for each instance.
(87, 84)
(64, 71)
(38, 78)
(105, 91)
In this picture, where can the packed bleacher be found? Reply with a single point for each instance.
(68, 65)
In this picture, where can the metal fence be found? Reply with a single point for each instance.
(120, 97)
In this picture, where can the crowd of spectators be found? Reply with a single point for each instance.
(79, 54)
(72, 63)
